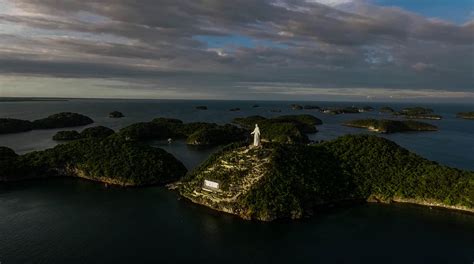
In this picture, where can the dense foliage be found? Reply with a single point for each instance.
(386, 109)
(418, 113)
(283, 129)
(65, 119)
(6, 153)
(466, 115)
(10, 125)
(391, 126)
(196, 133)
(97, 132)
(67, 135)
(301, 178)
(217, 136)
(112, 160)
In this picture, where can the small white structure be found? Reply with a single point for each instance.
(210, 186)
(256, 136)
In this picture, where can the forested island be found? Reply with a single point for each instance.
(60, 120)
(110, 160)
(465, 115)
(283, 129)
(91, 132)
(116, 114)
(294, 181)
(391, 126)
(418, 113)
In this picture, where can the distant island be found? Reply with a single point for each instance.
(418, 113)
(391, 126)
(31, 99)
(110, 160)
(294, 181)
(116, 114)
(465, 115)
(60, 120)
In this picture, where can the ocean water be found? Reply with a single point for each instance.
(76, 221)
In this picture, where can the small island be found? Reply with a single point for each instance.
(60, 120)
(338, 111)
(391, 126)
(283, 129)
(201, 107)
(386, 109)
(294, 181)
(418, 113)
(116, 114)
(234, 109)
(297, 107)
(110, 160)
(465, 115)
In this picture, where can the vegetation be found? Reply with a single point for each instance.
(67, 135)
(338, 111)
(418, 113)
(296, 107)
(97, 132)
(219, 135)
(366, 109)
(386, 109)
(111, 160)
(10, 125)
(6, 153)
(466, 115)
(196, 133)
(116, 114)
(291, 181)
(391, 126)
(61, 120)
(283, 129)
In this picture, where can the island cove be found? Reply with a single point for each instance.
(284, 178)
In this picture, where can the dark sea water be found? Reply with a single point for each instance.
(77, 221)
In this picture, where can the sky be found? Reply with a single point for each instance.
(381, 50)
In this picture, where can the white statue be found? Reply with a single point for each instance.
(256, 136)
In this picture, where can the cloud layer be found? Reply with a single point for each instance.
(203, 45)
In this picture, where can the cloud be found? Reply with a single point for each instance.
(318, 43)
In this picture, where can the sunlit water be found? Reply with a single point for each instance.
(71, 220)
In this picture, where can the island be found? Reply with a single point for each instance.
(391, 126)
(91, 132)
(60, 120)
(110, 160)
(283, 129)
(65, 119)
(293, 181)
(418, 113)
(11, 125)
(116, 114)
(195, 133)
(386, 109)
(234, 109)
(296, 107)
(365, 109)
(201, 107)
(338, 111)
(465, 115)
